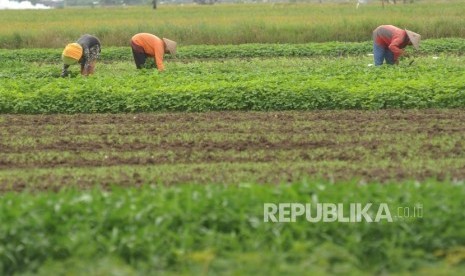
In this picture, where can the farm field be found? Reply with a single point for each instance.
(183, 193)
(137, 172)
(222, 24)
(219, 79)
(41, 152)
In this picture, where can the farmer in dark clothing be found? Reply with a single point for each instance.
(85, 51)
(389, 42)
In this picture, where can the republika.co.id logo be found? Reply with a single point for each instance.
(338, 212)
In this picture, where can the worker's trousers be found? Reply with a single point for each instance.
(381, 53)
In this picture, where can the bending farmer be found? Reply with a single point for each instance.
(85, 51)
(148, 45)
(389, 42)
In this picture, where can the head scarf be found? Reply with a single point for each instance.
(72, 53)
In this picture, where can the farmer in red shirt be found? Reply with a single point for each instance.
(389, 42)
(144, 45)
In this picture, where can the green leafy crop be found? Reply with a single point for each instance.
(259, 81)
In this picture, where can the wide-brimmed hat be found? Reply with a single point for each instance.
(414, 38)
(72, 51)
(170, 46)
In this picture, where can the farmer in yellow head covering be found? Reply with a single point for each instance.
(85, 51)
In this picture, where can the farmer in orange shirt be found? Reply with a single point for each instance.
(144, 45)
(389, 42)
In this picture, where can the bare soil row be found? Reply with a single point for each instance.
(46, 151)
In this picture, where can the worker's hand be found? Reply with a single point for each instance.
(85, 71)
(91, 69)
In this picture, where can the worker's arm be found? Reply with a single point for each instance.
(64, 71)
(159, 52)
(394, 47)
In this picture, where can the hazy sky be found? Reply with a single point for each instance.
(13, 5)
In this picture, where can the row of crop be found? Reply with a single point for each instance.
(240, 98)
(190, 228)
(255, 84)
(332, 49)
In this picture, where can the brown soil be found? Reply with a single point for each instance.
(373, 146)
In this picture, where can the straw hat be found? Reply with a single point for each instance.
(414, 38)
(170, 46)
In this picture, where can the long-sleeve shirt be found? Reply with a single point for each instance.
(91, 49)
(391, 37)
(153, 46)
